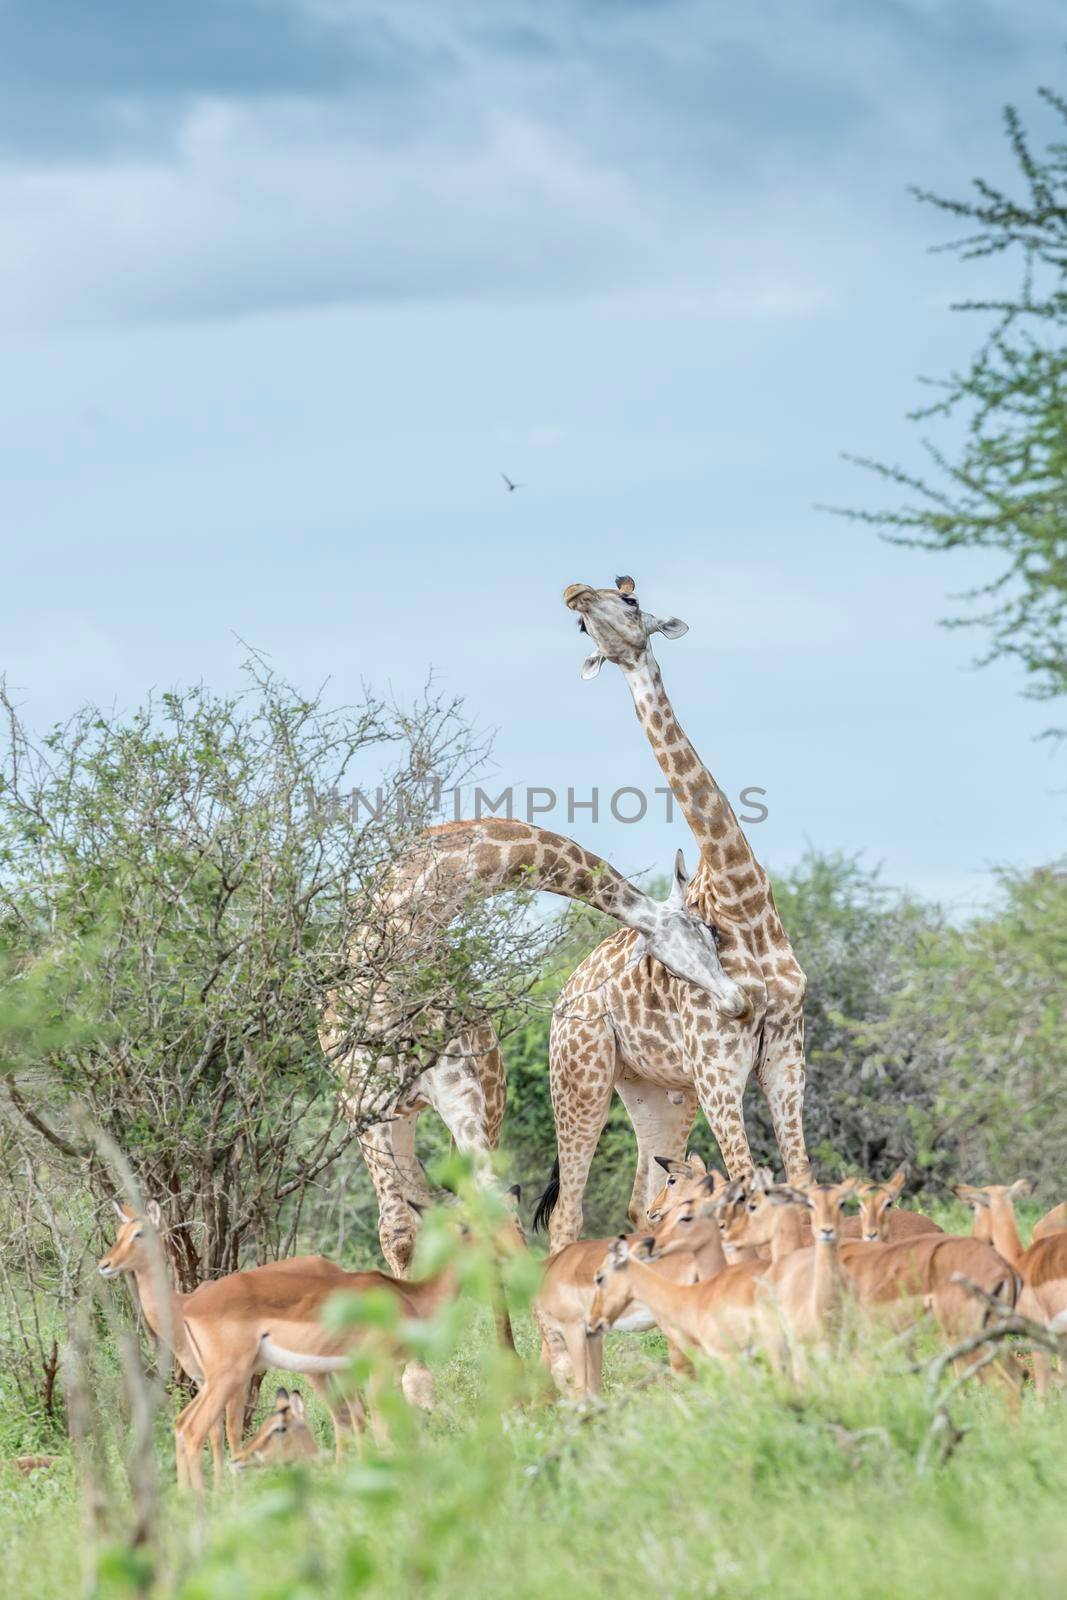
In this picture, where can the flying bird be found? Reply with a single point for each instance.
(511, 486)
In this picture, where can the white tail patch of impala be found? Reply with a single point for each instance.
(276, 1355)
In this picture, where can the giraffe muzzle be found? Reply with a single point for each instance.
(576, 593)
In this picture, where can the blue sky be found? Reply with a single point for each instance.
(287, 283)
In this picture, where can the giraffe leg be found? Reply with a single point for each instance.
(453, 1088)
(389, 1151)
(582, 1065)
(781, 1072)
(721, 1072)
(489, 1064)
(663, 1121)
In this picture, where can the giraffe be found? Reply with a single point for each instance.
(425, 889)
(633, 1028)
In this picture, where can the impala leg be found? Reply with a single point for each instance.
(235, 1421)
(334, 1404)
(574, 1337)
(582, 1061)
(663, 1121)
(594, 1364)
(680, 1363)
(206, 1410)
(781, 1073)
(218, 1459)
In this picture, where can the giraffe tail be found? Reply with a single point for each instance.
(547, 1203)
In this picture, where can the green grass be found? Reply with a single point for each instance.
(734, 1485)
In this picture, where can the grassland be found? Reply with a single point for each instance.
(737, 1486)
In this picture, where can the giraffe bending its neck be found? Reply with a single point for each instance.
(428, 886)
(646, 1037)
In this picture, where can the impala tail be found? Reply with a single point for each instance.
(547, 1203)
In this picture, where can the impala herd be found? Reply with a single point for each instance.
(727, 1269)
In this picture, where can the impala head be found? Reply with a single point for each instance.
(685, 1180)
(688, 947)
(615, 623)
(876, 1202)
(691, 1224)
(825, 1201)
(996, 1201)
(130, 1252)
(284, 1436)
(613, 1288)
(748, 1218)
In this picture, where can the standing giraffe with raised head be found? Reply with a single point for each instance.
(627, 1025)
(426, 888)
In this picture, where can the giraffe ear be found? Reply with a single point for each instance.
(670, 627)
(624, 585)
(679, 884)
(592, 664)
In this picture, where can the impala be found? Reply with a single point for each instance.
(137, 1250)
(896, 1281)
(880, 1220)
(1051, 1222)
(803, 1293)
(251, 1322)
(284, 1436)
(1042, 1268)
(716, 1317)
(690, 1249)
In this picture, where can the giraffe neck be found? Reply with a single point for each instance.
(497, 855)
(740, 884)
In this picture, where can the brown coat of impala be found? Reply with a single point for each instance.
(252, 1322)
(284, 1435)
(1042, 1268)
(688, 1249)
(164, 1306)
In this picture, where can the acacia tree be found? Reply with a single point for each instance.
(1003, 486)
(179, 890)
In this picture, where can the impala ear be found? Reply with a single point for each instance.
(592, 665)
(674, 1169)
(1021, 1187)
(970, 1195)
(120, 1210)
(154, 1214)
(619, 1251)
(296, 1405)
(281, 1397)
(696, 1161)
(896, 1182)
(762, 1178)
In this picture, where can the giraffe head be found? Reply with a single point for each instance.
(618, 627)
(676, 937)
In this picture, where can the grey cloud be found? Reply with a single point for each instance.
(426, 152)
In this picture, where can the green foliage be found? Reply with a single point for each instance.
(179, 894)
(1002, 484)
(735, 1485)
(980, 1030)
